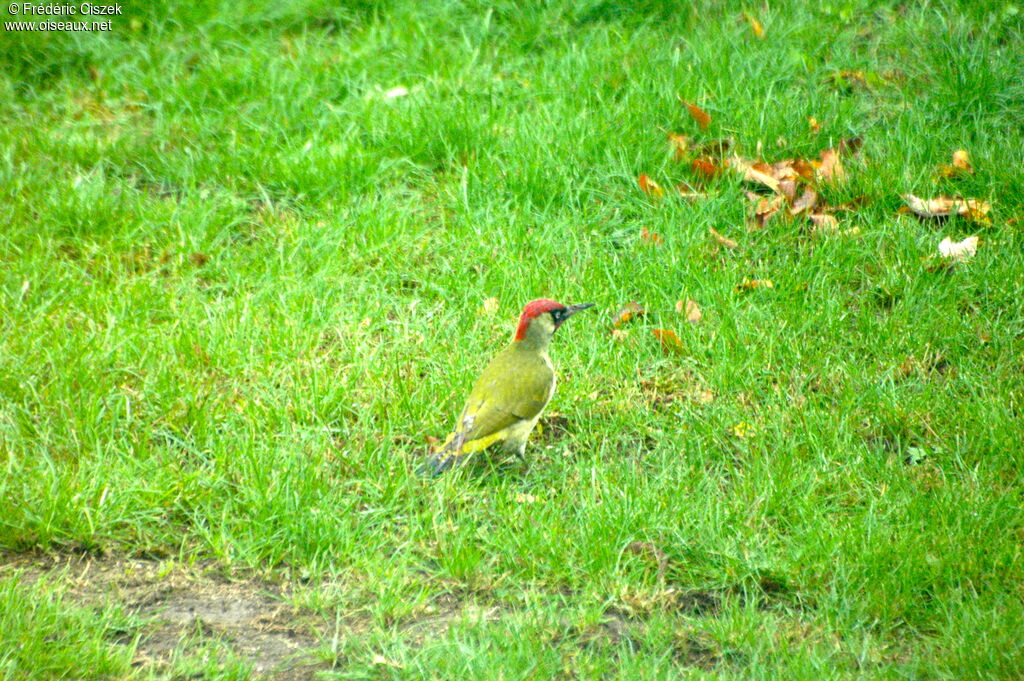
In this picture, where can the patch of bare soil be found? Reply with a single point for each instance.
(249, 615)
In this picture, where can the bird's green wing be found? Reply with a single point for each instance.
(514, 387)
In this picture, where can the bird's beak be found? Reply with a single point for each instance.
(570, 310)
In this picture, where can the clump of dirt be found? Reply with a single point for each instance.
(249, 615)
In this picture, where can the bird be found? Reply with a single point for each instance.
(509, 397)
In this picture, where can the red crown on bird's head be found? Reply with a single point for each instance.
(534, 309)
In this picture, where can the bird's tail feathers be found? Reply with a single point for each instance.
(451, 453)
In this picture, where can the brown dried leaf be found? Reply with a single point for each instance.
(944, 206)
(806, 201)
(689, 193)
(702, 117)
(824, 221)
(830, 168)
(649, 186)
(803, 168)
(766, 208)
(757, 172)
(629, 311)
(721, 239)
(669, 340)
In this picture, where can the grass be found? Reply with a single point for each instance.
(240, 287)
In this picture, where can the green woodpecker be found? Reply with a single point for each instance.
(507, 400)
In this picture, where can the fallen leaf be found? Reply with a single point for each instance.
(690, 309)
(803, 168)
(814, 125)
(680, 145)
(629, 311)
(961, 165)
(805, 202)
(751, 284)
(824, 221)
(944, 206)
(689, 193)
(962, 160)
(649, 186)
(830, 168)
(382, 661)
(755, 25)
(958, 251)
(757, 173)
(522, 498)
(766, 208)
(619, 336)
(704, 396)
(721, 239)
(490, 306)
(742, 430)
(706, 167)
(650, 237)
(699, 115)
(669, 340)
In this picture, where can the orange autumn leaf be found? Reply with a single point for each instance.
(649, 186)
(669, 340)
(650, 237)
(629, 311)
(705, 167)
(702, 117)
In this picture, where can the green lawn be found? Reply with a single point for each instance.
(241, 284)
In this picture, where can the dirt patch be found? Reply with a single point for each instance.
(250, 616)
